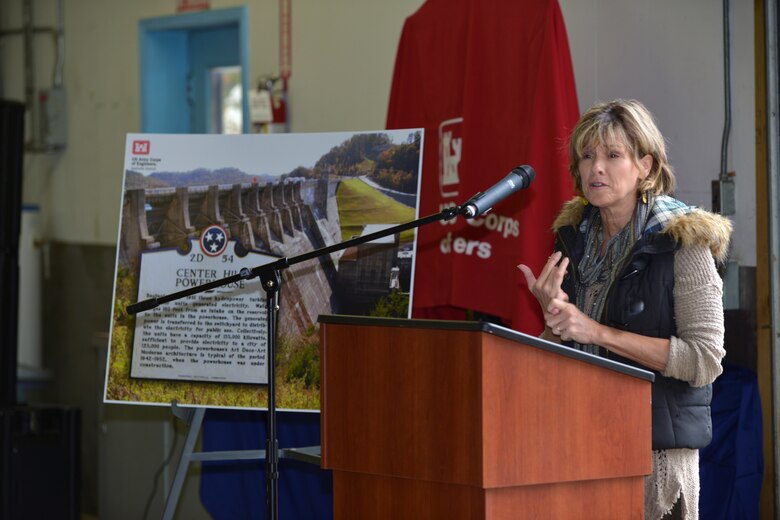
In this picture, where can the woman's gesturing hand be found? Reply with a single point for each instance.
(548, 285)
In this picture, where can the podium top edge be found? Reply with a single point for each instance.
(489, 328)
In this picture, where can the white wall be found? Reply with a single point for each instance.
(666, 53)
(669, 55)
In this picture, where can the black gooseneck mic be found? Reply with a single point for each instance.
(519, 178)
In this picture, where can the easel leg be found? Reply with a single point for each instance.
(193, 430)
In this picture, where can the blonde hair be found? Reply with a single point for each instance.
(630, 123)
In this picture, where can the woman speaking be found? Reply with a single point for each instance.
(633, 278)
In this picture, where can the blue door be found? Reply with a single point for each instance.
(187, 62)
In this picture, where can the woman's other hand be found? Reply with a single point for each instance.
(566, 321)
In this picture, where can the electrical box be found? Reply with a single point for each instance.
(724, 196)
(54, 121)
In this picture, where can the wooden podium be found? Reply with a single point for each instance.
(467, 420)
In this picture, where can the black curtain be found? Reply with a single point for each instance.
(11, 153)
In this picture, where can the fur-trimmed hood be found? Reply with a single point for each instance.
(696, 228)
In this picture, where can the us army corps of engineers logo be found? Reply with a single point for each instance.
(449, 156)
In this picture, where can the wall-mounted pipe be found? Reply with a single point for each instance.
(726, 91)
(29, 72)
(60, 35)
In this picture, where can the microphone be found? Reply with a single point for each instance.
(519, 178)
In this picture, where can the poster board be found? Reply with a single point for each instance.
(199, 208)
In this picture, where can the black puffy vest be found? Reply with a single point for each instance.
(641, 300)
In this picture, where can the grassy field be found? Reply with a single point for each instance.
(360, 204)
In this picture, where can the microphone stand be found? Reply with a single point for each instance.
(271, 279)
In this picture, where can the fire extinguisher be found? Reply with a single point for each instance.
(268, 107)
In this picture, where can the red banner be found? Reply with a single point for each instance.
(493, 86)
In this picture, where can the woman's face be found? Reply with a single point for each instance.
(610, 176)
